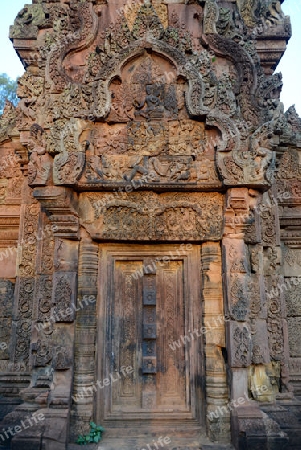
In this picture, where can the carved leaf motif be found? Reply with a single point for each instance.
(149, 216)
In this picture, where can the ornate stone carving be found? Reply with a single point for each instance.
(140, 170)
(260, 347)
(83, 31)
(210, 16)
(241, 345)
(177, 102)
(9, 166)
(68, 164)
(151, 216)
(44, 302)
(292, 296)
(84, 375)
(30, 90)
(28, 22)
(275, 314)
(27, 264)
(6, 311)
(40, 162)
(7, 121)
(246, 167)
(247, 10)
(53, 349)
(63, 296)
(43, 353)
(23, 323)
(294, 327)
(239, 298)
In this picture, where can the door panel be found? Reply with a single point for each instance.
(125, 334)
(147, 305)
(171, 383)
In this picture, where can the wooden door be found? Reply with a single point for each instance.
(150, 305)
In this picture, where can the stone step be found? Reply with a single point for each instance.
(288, 417)
(151, 444)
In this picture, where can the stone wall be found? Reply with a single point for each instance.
(151, 123)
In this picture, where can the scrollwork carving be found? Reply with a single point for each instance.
(151, 216)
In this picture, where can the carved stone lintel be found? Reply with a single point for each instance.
(137, 216)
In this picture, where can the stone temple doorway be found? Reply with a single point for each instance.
(149, 305)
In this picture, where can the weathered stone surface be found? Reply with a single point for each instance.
(150, 191)
(148, 216)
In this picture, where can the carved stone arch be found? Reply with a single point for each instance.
(185, 69)
(230, 135)
(246, 71)
(72, 42)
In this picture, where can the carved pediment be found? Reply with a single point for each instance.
(150, 80)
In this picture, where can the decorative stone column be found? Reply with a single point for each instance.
(217, 414)
(85, 340)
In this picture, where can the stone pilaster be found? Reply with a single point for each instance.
(217, 414)
(85, 341)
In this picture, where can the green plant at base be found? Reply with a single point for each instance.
(94, 436)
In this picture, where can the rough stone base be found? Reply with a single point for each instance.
(48, 434)
(266, 429)
(8, 405)
(288, 417)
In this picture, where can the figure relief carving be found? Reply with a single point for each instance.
(247, 10)
(30, 90)
(151, 216)
(241, 346)
(69, 162)
(239, 298)
(166, 153)
(7, 120)
(39, 161)
(140, 125)
(210, 16)
(290, 166)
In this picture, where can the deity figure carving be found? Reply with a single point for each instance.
(39, 166)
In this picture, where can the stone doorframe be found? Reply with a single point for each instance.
(213, 331)
(62, 205)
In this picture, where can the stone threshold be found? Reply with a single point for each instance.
(148, 444)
